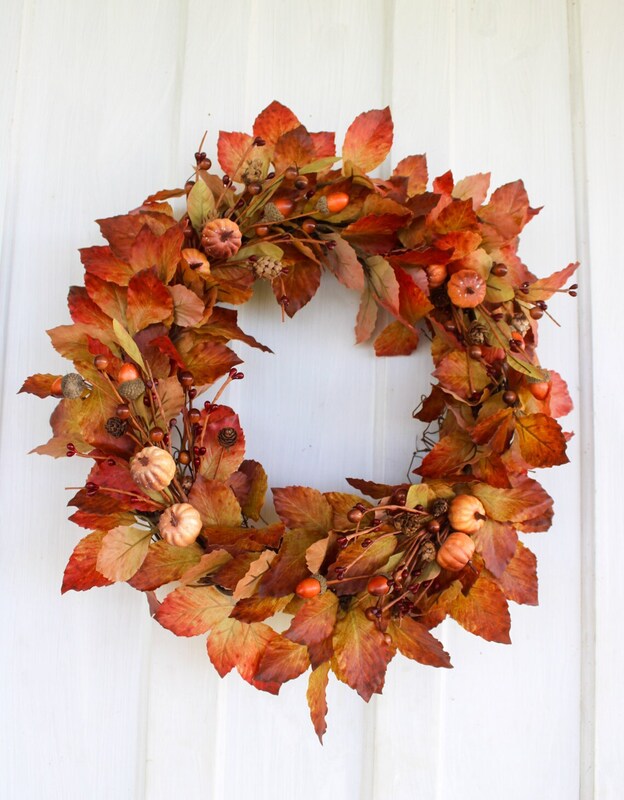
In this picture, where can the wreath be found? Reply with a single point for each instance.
(171, 501)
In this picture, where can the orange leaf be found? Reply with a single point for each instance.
(39, 385)
(163, 564)
(518, 504)
(188, 309)
(413, 302)
(414, 168)
(473, 187)
(396, 340)
(193, 610)
(282, 661)
(519, 581)
(361, 654)
(289, 566)
(344, 263)
(324, 144)
(215, 502)
(273, 122)
(461, 375)
(448, 456)
(257, 609)
(236, 644)
(81, 573)
(375, 233)
(496, 541)
(315, 620)
(414, 641)
(368, 139)
(559, 400)
(541, 440)
(233, 153)
(299, 285)
(207, 360)
(159, 253)
(507, 212)
(483, 611)
(317, 699)
(250, 485)
(294, 148)
(122, 231)
(362, 562)
(544, 288)
(149, 301)
(122, 552)
(366, 317)
(302, 507)
(341, 504)
(101, 262)
(219, 462)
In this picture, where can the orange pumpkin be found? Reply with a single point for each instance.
(180, 524)
(153, 468)
(466, 513)
(221, 238)
(466, 289)
(456, 552)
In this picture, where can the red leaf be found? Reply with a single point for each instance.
(324, 144)
(317, 700)
(414, 641)
(413, 302)
(461, 375)
(273, 122)
(541, 440)
(101, 262)
(282, 661)
(207, 360)
(544, 288)
(193, 610)
(83, 310)
(149, 301)
(444, 183)
(299, 285)
(368, 139)
(163, 564)
(39, 385)
(156, 252)
(233, 153)
(473, 187)
(414, 168)
(559, 400)
(112, 299)
(361, 654)
(396, 340)
(344, 263)
(81, 573)
(508, 210)
(448, 456)
(375, 233)
(257, 609)
(295, 147)
(315, 620)
(122, 231)
(302, 507)
(496, 541)
(289, 566)
(483, 611)
(519, 581)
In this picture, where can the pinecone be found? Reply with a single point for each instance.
(227, 437)
(253, 171)
(72, 385)
(272, 213)
(116, 427)
(267, 268)
(476, 333)
(187, 483)
(408, 523)
(131, 390)
(520, 323)
(439, 507)
(427, 551)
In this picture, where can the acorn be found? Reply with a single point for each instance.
(131, 390)
(73, 385)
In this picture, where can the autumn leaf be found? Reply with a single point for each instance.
(257, 609)
(188, 309)
(299, 285)
(371, 488)
(483, 611)
(317, 700)
(282, 661)
(315, 620)
(216, 503)
(396, 340)
(496, 542)
(39, 385)
(159, 253)
(163, 564)
(289, 566)
(413, 302)
(234, 153)
(342, 260)
(366, 317)
(448, 456)
(207, 360)
(208, 564)
(520, 503)
(100, 262)
(519, 580)
(414, 641)
(200, 205)
(219, 462)
(414, 168)
(193, 610)
(295, 147)
(460, 375)
(247, 583)
(374, 234)
(544, 288)
(559, 400)
(302, 507)
(121, 232)
(359, 561)
(473, 187)
(274, 121)
(81, 572)
(122, 552)
(368, 140)
(361, 654)
(149, 301)
(341, 504)
(541, 440)
(236, 644)
(507, 211)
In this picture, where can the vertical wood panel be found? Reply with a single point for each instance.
(96, 92)
(599, 27)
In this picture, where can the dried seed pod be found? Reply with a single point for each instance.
(408, 523)
(131, 390)
(476, 333)
(116, 427)
(254, 171)
(272, 213)
(267, 268)
(73, 385)
(427, 551)
(520, 323)
(322, 206)
(439, 507)
(227, 437)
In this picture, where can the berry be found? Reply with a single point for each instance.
(308, 588)
(156, 435)
(399, 497)
(290, 173)
(475, 352)
(259, 142)
(127, 372)
(536, 313)
(194, 414)
(262, 230)
(122, 411)
(500, 270)
(254, 188)
(378, 585)
(372, 613)
(510, 398)
(342, 542)
(308, 226)
(301, 183)
(433, 526)
(192, 393)
(337, 201)
(284, 205)
(100, 362)
(186, 378)
(354, 515)
(367, 543)
(184, 457)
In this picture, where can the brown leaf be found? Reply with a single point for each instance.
(193, 610)
(248, 582)
(236, 644)
(81, 573)
(317, 700)
(360, 561)
(448, 456)
(295, 147)
(361, 654)
(483, 611)
(188, 308)
(207, 360)
(282, 661)
(315, 620)
(302, 507)
(414, 641)
(289, 567)
(523, 502)
(496, 541)
(341, 504)
(396, 340)
(149, 301)
(257, 609)
(414, 168)
(215, 502)
(252, 492)
(220, 462)
(344, 263)
(519, 581)
(460, 375)
(208, 564)
(366, 317)
(163, 564)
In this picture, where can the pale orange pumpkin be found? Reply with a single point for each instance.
(456, 552)
(466, 513)
(180, 524)
(153, 468)
(466, 289)
(221, 238)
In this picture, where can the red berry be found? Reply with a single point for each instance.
(308, 588)
(122, 411)
(475, 352)
(186, 378)
(194, 415)
(536, 313)
(378, 585)
(301, 183)
(500, 270)
(157, 435)
(127, 372)
(254, 188)
(308, 226)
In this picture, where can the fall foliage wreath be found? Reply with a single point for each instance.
(171, 498)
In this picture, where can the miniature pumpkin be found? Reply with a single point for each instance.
(466, 513)
(456, 552)
(153, 468)
(221, 238)
(466, 289)
(436, 275)
(180, 524)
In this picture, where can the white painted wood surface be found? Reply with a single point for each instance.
(101, 103)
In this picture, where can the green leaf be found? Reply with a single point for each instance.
(128, 344)
(200, 205)
(320, 165)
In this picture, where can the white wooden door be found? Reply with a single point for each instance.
(102, 103)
